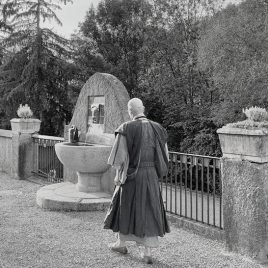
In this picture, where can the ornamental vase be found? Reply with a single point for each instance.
(244, 144)
(29, 125)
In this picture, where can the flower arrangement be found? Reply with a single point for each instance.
(24, 111)
(256, 114)
(256, 118)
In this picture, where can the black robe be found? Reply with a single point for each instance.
(137, 206)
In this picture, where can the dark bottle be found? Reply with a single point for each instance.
(76, 136)
(71, 134)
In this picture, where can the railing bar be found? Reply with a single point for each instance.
(41, 156)
(196, 189)
(176, 182)
(185, 188)
(191, 187)
(208, 195)
(61, 174)
(171, 182)
(180, 186)
(46, 155)
(202, 189)
(196, 155)
(55, 163)
(214, 186)
(37, 155)
(220, 183)
(49, 160)
(52, 166)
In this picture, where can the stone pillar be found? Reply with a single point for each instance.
(245, 191)
(245, 195)
(22, 155)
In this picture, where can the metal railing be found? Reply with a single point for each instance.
(46, 162)
(193, 188)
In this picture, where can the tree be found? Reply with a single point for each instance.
(233, 48)
(117, 27)
(172, 71)
(7, 9)
(87, 59)
(37, 70)
(151, 46)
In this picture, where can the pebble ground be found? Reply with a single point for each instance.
(35, 238)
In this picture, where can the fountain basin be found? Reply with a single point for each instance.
(84, 157)
(88, 160)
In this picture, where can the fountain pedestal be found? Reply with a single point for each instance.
(88, 182)
(90, 163)
(64, 196)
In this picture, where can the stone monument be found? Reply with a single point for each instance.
(101, 107)
(88, 180)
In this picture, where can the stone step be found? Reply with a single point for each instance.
(64, 196)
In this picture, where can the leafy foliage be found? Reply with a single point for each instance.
(234, 48)
(36, 70)
(195, 64)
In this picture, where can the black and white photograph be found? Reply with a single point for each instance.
(133, 133)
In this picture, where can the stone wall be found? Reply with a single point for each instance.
(6, 151)
(16, 154)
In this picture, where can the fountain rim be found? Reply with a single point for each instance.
(82, 145)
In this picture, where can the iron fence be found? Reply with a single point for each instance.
(46, 162)
(193, 188)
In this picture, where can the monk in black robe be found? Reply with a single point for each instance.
(140, 157)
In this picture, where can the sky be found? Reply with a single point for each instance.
(72, 14)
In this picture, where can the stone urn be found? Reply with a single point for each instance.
(28, 125)
(244, 144)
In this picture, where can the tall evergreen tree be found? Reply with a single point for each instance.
(36, 70)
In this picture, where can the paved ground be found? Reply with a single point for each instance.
(33, 238)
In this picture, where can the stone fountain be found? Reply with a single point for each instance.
(88, 179)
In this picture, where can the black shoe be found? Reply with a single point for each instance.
(147, 259)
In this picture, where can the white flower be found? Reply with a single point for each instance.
(24, 111)
(256, 114)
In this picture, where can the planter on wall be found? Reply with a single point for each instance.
(244, 144)
(29, 125)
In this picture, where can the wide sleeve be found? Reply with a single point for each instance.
(124, 166)
(118, 153)
(119, 157)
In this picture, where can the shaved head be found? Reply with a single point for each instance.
(135, 107)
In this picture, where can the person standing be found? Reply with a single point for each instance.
(140, 157)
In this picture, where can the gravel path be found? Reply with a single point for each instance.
(34, 238)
